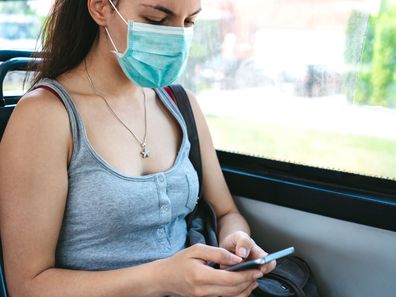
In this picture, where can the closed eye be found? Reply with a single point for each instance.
(155, 22)
(189, 22)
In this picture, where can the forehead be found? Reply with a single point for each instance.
(177, 6)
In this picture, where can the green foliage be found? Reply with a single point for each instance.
(367, 54)
(353, 46)
(376, 77)
(364, 90)
(384, 58)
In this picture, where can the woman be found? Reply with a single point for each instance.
(95, 177)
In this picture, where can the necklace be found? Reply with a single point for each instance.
(145, 151)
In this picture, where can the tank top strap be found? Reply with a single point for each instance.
(170, 103)
(59, 91)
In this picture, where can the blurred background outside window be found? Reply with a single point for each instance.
(20, 25)
(310, 82)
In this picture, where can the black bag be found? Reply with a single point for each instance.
(292, 276)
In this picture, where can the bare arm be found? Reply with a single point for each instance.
(234, 232)
(214, 187)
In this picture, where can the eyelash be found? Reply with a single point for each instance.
(160, 22)
(155, 22)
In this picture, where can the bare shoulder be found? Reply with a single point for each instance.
(42, 104)
(193, 99)
(39, 119)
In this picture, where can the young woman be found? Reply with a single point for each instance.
(95, 180)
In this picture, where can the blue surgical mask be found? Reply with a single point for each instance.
(155, 55)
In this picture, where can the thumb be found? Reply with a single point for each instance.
(243, 247)
(214, 254)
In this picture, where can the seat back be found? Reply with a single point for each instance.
(5, 113)
(3, 288)
(15, 63)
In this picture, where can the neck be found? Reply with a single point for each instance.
(107, 75)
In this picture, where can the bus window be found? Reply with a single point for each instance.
(20, 24)
(306, 82)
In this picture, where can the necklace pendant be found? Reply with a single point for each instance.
(145, 151)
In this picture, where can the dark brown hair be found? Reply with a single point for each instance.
(67, 36)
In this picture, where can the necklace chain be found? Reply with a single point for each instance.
(145, 151)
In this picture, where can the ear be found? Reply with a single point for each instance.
(99, 10)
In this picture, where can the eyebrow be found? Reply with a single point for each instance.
(167, 10)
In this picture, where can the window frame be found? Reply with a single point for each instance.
(346, 196)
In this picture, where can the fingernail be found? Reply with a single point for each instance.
(235, 258)
(243, 252)
(258, 275)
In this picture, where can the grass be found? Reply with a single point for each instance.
(360, 154)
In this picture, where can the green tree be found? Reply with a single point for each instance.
(384, 59)
(353, 47)
(358, 54)
(376, 78)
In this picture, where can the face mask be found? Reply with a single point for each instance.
(155, 55)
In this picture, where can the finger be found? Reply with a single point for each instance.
(218, 255)
(215, 290)
(223, 267)
(257, 252)
(267, 268)
(244, 245)
(249, 290)
(229, 278)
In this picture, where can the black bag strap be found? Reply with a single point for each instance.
(201, 222)
(183, 102)
(299, 292)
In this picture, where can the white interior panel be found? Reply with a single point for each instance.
(347, 259)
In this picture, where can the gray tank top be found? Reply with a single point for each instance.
(112, 220)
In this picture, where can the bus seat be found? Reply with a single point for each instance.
(5, 113)
(6, 107)
(3, 288)
(13, 64)
(9, 54)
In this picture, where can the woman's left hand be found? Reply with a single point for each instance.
(241, 244)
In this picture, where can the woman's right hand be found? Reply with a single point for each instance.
(187, 273)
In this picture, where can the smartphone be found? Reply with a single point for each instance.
(260, 261)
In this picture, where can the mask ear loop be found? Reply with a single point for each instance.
(111, 39)
(107, 30)
(115, 8)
